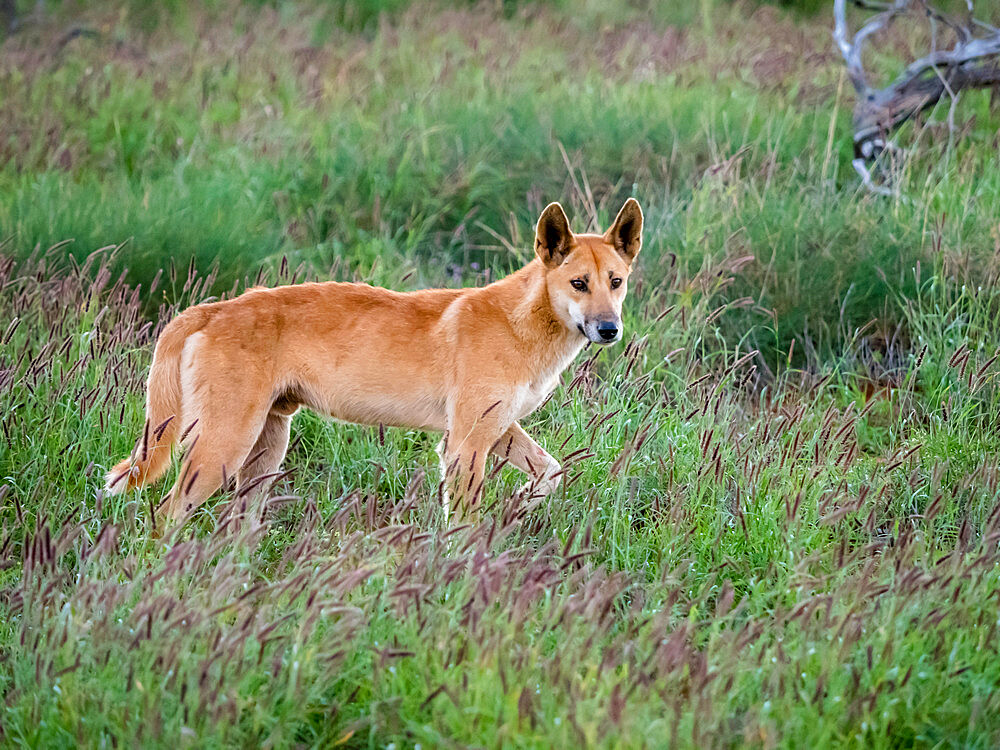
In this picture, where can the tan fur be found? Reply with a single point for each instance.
(227, 376)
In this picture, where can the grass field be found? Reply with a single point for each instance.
(781, 522)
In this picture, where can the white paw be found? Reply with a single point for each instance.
(116, 482)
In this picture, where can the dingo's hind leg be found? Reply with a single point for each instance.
(215, 455)
(226, 428)
(264, 460)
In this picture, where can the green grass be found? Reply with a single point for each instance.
(797, 549)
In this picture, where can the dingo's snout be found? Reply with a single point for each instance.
(608, 330)
(602, 330)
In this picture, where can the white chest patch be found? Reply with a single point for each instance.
(531, 395)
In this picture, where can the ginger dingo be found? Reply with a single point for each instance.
(227, 376)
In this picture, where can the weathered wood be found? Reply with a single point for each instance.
(973, 62)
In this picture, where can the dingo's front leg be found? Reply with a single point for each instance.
(462, 470)
(518, 447)
(472, 430)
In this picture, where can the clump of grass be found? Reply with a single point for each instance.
(733, 559)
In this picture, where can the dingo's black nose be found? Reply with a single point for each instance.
(607, 330)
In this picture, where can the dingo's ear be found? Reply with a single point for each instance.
(553, 237)
(626, 233)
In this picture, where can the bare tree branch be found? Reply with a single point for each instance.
(863, 170)
(973, 62)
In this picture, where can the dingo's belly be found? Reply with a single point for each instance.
(367, 389)
(394, 410)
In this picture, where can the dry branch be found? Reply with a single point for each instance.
(973, 62)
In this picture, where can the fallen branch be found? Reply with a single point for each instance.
(973, 62)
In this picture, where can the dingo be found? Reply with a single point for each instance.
(227, 376)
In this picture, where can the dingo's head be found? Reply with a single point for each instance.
(587, 274)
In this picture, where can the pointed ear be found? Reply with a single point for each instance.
(626, 233)
(553, 238)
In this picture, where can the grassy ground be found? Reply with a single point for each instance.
(797, 548)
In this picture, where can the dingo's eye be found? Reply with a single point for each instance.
(579, 284)
(615, 283)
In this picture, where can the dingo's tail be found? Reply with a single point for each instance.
(151, 455)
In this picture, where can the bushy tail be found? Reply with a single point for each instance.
(151, 456)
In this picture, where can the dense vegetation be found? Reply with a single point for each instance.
(781, 522)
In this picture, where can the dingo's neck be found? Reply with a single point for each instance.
(524, 297)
